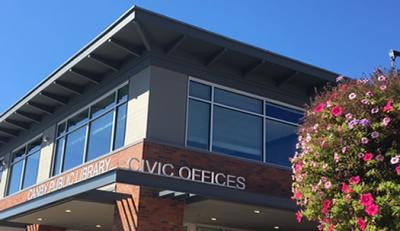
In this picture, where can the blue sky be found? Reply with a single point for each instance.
(347, 37)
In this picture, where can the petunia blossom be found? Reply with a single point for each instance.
(375, 134)
(372, 210)
(361, 224)
(388, 107)
(320, 107)
(352, 96)
(366, 199)
(299, 216)
(355, 180)
(345, 188)
(368, 156)
(364, 140)
(336, 111)
(398, 170)
(385, 121)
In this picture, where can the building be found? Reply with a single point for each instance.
(157, 125)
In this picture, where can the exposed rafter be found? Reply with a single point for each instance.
(285, 79)
(9, 132)
(86, 76)
(18, 124)
(43, 108)
(55, 98)
(103, 61)
(142, 35)
(126, 47)
(4, 140)
(311, 91)
(29, 116)
(252, 68)
(75, 89)
(172, 46)
(215, 57)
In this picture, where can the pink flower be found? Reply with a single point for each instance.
(375, 135)
(326, 206)
(398, 170)
(345, 188)
(386, 121)
(382, 87)
(297, 195)
(381, 78)
(299, 216)
(366, 199)
(369, 94)
(320, 107)
(339, 78)
(352, 96)
(368, 156)
(354, 180)
(328, 185)
(336, 111)
(394, 160)
(364, 101)
(348, 116)
(364, 140)
(374, 110)
(388, 107)
(372, 210)
(361, 224)
(379, 158)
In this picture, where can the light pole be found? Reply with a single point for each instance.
(393, 54)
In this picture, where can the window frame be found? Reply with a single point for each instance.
(24, 159)
(87, 124)
(212, 104)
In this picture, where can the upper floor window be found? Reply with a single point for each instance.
(230, 122)
(24, 166)
(92, 132)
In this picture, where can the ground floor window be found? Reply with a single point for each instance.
(92, 132)
(24, 166)
(235, 123)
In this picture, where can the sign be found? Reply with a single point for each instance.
(187, 173)
(76, 176)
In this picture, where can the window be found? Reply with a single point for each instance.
(24, 166)
(234, 123)
(91, 133)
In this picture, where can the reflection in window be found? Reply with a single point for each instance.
(237, 133)
(237, 122)
(92, 133)
(198, 126)
(280, 142)
(24, 167)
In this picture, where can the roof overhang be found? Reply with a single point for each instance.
(130, 39)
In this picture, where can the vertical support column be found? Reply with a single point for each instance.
(46, 154)
(145, 212)
(4, 175)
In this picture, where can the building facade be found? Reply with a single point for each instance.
(157, 125)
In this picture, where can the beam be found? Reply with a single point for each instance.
(104, 62)
(215, 57)
(311, 91)
(17, 124)
(126, 47)
(86, 76)
(29, 116)
(172, 46)
(286, 79)
(43, 108)
(142, 35)
(252, 68)
(9, 132)
(4, 140)
(74, 89)
(55, 98)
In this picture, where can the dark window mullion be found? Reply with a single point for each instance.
(21, 182)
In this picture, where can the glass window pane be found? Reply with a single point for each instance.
(281, 141)
(238, 101)
(74, 149)
(31, 170)
(34, 146)
(198, 124)
(199, 90)
(19, 154)
(78, 120)
(15, 178)
(103, 106)
(237, 133)
(58, 156)
(120, 127)
(123, 94)
(100, 136)
(283, 113)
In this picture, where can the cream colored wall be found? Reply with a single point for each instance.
(137, 113)
(46, 154)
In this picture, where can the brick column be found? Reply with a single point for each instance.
(36, 227)
(145, 212)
